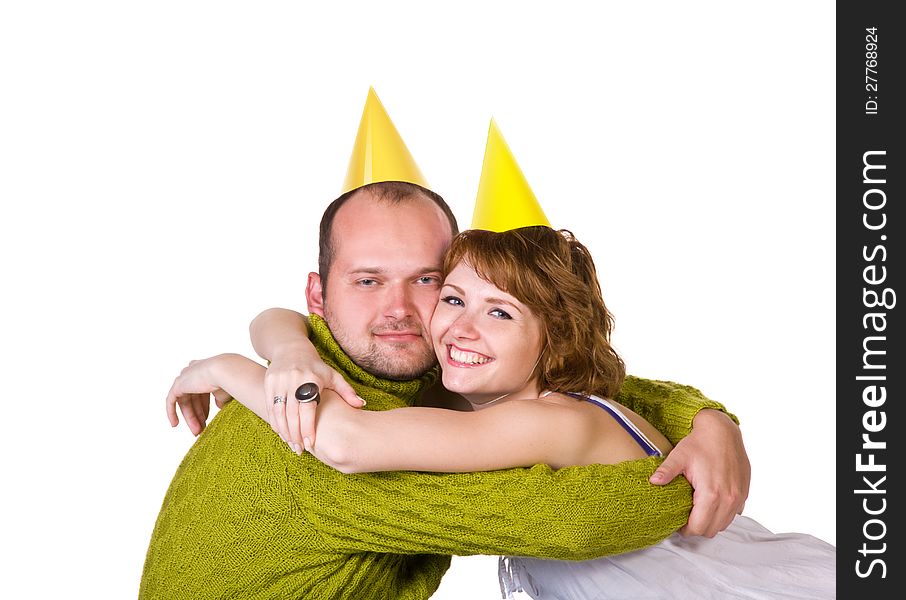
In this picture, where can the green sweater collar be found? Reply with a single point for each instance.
(380, 394)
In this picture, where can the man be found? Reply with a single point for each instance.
(246, 517)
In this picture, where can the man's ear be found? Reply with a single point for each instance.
(314, 294)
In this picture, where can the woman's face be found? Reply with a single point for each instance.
(487, 342)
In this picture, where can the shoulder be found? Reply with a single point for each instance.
(561, 408)
(561, 425)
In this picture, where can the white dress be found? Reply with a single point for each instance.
(744, 561)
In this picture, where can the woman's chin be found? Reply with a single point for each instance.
(457, 385)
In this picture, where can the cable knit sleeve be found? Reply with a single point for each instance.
(574, 513)
(667, 405)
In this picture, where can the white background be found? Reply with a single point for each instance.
(163, 167)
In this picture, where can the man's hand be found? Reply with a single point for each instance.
(291, 367)
(714, 461)
(192, 390)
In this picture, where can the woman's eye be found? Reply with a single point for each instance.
(453, 300)
(500, 314)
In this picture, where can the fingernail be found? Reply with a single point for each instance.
(307, 442)
(362, 399)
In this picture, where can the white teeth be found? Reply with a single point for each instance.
(468, 358)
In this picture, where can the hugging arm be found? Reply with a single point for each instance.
(575, 513)
(280, 336)
(513, 434)
(708, 451)
(226, 376)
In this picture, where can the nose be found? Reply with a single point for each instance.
(463, 327)
(398, 302)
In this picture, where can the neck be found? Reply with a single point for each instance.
(480, 401)
(528, 391)
(386, 393)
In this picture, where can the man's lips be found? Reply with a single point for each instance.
(398, 336)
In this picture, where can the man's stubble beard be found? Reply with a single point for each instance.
(385, 360)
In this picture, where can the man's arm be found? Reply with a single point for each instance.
(669, 406)
(708, 451)
(575, 513)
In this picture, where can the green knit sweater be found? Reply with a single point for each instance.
(245, 517)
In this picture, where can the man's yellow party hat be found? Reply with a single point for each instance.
(379, 153)
(505, 201)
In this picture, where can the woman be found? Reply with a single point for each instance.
(522, 332)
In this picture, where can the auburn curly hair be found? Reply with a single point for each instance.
(553, 274)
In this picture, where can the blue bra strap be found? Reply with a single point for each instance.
(646, 445)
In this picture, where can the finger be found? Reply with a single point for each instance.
(188, 417)
(702, 517)
(171, 408)
(292, 421)
(307, 413)
(345, 391)
(666, 471)
(203, 409)
(725, 516)
(187, 408)
(279, 415)
(221, 398)
(199, 405)
(274, 418)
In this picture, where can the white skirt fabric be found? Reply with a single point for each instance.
(744, 561)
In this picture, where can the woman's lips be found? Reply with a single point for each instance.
(459, 357)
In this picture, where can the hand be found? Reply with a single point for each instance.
(292, 420)
(192, 390)
(712, 457)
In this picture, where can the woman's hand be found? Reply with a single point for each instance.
(192, 390)
(291, 366)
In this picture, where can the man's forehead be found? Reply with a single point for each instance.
(415, 225)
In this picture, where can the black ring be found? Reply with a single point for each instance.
(308, 392)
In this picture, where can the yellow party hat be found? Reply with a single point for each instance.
(379, 153)
(505, 201)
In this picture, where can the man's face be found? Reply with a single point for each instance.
(383, 283)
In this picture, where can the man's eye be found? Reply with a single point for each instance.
(453, 300)
(429, 280)
(366, 282)
(500, 314)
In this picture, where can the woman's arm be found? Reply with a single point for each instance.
(515, 434)
(223, 375)
(276, 331)
(280, 336)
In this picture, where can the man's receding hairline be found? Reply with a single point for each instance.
(391, 201)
